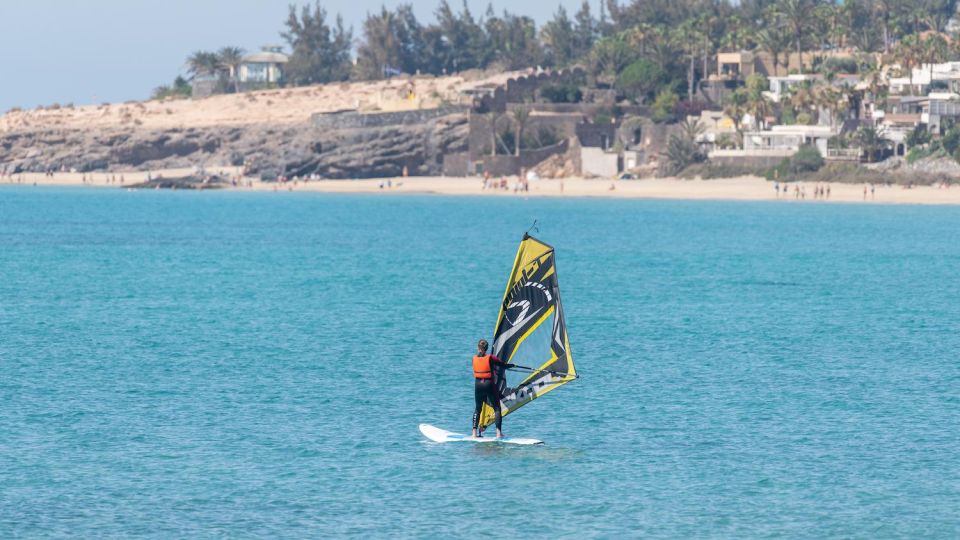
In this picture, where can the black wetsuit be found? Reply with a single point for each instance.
(485, 390)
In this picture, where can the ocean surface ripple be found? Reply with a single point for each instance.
(202, 365)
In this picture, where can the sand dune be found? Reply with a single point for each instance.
(284, 105)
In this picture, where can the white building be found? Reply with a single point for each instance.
(788, 138)
(780, 86)
(924, 76)
(264, 67)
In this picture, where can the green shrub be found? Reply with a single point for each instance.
(918, 136)
(663, 106)
(838, 65)
(726, 141)
(561, 93)
(683, 152)
(916, 153)
(951, 140)
(640, 80)
(788, 116)
(806, 160)
(602, 116)
(838, 142)
(709, 170)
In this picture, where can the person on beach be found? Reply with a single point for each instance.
(485, 386)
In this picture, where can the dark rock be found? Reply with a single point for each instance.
(182, 182)
(297, 150)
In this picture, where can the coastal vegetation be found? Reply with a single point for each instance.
(806, 160)
(643, 46)
(653, 53)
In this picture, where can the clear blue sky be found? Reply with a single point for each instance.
(93, 51)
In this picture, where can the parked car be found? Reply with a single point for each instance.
(627, 176)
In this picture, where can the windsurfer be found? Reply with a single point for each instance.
(485, 386)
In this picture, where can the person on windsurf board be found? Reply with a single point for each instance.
(485, 369)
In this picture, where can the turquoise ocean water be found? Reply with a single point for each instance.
(186, 365)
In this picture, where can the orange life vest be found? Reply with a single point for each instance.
(481, 367)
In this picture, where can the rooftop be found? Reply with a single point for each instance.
(266, 57)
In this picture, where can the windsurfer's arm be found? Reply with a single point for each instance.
(496, 360)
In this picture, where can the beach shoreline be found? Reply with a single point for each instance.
(744, 188)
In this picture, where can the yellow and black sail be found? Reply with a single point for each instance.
(531, 331)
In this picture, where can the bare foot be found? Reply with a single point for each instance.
(499, 434)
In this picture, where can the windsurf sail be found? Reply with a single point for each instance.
(531, 331)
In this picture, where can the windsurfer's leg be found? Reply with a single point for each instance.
(493, 398)
(478, 396)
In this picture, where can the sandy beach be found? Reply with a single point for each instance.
(746, 188)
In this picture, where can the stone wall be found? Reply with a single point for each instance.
(457, 164)
(526, 89)
(563, 125)
(461, 164)
(597, 135)
(747, 161)
(355, 120)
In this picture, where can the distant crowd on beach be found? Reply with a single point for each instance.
(820, 191)
(108, 179)
(521, 185)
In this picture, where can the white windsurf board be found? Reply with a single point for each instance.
(436, 434)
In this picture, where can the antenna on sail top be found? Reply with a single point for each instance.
(532, 228)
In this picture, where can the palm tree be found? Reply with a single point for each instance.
(738, 36)
(886, 7)
(909, 53)
(203, 63)
(610, 55)
(661, 47)
(707, 23)
(935, 50)
(798, 16)
(689, 39)
(683, 149)
(757, 103)
(735, 108)
(872, 141)
(520, 115)
(774, 42)
(640, 36)
(494, 118)
(834, 100)
(692, 129)
(832, 16)
(802, 96)
(231, 58)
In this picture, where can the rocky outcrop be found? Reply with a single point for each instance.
(183, 182)
(291, 149)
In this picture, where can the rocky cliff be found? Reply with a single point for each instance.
(291, 149)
